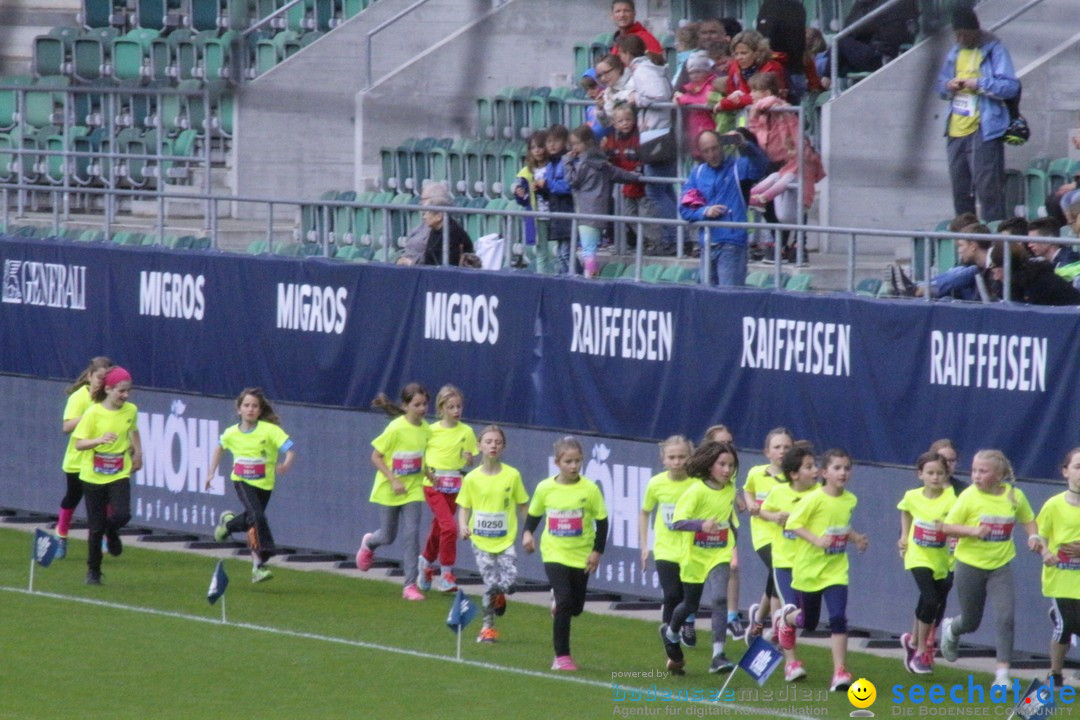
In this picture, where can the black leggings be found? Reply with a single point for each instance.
(671, 585)
(99, 498)
(74, 493)
(569, 585)
(932, 595)
(255, 500)
(765, 553)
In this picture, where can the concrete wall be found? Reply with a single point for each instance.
(884, 143)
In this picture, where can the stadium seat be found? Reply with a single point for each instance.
(651, 273)
(757, 279)
(131, 54)
(612, 270)
(1035, 184)
(204, 14)
(1015, 199)
(52, 51)
(674, 274)
(1058, 173)
(258, 247)
(90, 53)
(43, 100)
(868, 287)
(9, 100)
(800, 282)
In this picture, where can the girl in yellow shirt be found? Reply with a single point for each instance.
(1059, 527)
(722, 434)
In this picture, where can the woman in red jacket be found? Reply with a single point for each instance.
(752, 55)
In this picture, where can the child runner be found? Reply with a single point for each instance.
(79, 399)
(450, 449)
(554, 189)
(574, 538)
(491, 504)
(1059, 527)
(661, 494)
(591, 177)
(108, 429)
(983, 518)
(759, 481)
(527, 196)
(923, 546)
(945, 448)
(256, 443)
(798, 478)
(705, 510)
(721, 433)
(398, 458)
(822, 521)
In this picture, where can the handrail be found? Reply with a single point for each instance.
(280, 11)
(382, 26)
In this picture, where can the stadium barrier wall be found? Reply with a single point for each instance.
(322, 503)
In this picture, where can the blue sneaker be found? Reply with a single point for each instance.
(61, 548)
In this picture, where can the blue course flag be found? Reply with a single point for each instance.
(218, 582)
(45, 547)
(1038, 701)
(760, 659)
(462, 611)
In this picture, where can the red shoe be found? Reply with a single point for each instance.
(364, 556)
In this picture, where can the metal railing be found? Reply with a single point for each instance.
(370, 37)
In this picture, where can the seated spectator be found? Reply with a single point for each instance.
(1032, 281)
(1013, 226)
(960, 282)
(713, 192)
(424, 245)
(752, 55)
(1047, 250)
(783, 24)
(875, 43)
(696, 91)
(624, 13)
(1066, 193)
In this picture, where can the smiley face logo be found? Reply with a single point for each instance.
(862, 693)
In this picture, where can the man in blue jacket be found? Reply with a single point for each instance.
(976, 79)
(713, 192)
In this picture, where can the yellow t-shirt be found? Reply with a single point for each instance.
(703, 551)
(784, 498)
(662, 493)
(1059, 523)
(570, 527)
(758, 483)
(255, 452)
(402, 446)
(76, 405)
(964, 110)
(927, 546)
(826, 516)
(112, 461)
(1001, 512)
(446, 455)
(493, 500)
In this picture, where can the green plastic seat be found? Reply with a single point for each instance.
(758, 278)
(651, 273)
(800, 282)
(612, 270)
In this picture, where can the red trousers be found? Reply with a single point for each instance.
(442, 538)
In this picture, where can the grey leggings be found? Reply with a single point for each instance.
(973, 586)
(388, 530)
(691, 602)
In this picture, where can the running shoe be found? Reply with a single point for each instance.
(676, 661)
(498, 604)
(793, 671)
(841, 680)
(565, 663)
(922, 664)
(425, 573)
(784, 630)
(688, 635)
(365, 556)
(950, 644)
(754, 627)
(260, 574)
(411, 592)
(221, 531)
(113, 545)
(61, 548)
(1001, 677)
(447, 583)
(720, 664)
(909, 651)
(488, 635)
(737, 627)
(93, 577)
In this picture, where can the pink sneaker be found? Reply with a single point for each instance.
(785, 631)
(364, 556)
(907, 642)
(411, 592)
(794, 671)
(565, 663)
(841, 680)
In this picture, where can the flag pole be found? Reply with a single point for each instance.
(223, 620)
(459, 642)
(726, 682)
(31, 586)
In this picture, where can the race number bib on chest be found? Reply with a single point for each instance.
(250, 468)
(1001, 527)
(108, 463)
(667, 512)
(927, 535)
(837, 537)
(713, 540)
(407, 463)
(1067, 562)
(490, 524)
(566, 523)
(448, 481)
(964, 104)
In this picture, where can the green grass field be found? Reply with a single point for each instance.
(318, 645)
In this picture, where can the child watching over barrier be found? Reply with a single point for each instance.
(527, 195)
(621, 148)
(591, 176)
(594, 90)
(554, 189)
(696, 91)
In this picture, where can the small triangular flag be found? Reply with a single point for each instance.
(760, 660)
(1038, 701)
(462, 611)
(218, 582)
(45, 547)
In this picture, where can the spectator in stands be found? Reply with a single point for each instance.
(783, 23)
(752, 55)
(1032, 280)
(696, 91)
(1013, 226)
(612, 74)
(556, 191)
(594, 90)
(714, 42)
(648, 85)
(686, 44)
(976, 79)
(878, 41)
(1047, 250)
(624, 14)
(1057, 201)
(432, 252)
(958, 282)
(535, 170)
(621, 148)
(815, 59)
(712, 192)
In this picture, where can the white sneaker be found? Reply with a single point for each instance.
(950, 644)
(1001, 677)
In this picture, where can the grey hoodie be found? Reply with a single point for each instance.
(591, 177)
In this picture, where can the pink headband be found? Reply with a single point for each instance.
(116, 376)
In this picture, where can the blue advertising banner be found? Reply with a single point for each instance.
(883, 379)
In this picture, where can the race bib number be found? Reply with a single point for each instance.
(407, 463)
(489, 524)
(108, 463)
(964, 104)
(712, 541)
(448, 481)
(952, 545)
(788, 534)
(1067, 562)
(927, 535)
(565, 523)
(1001, 527)
(667, 513)
(837, 537)
(250, 468)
